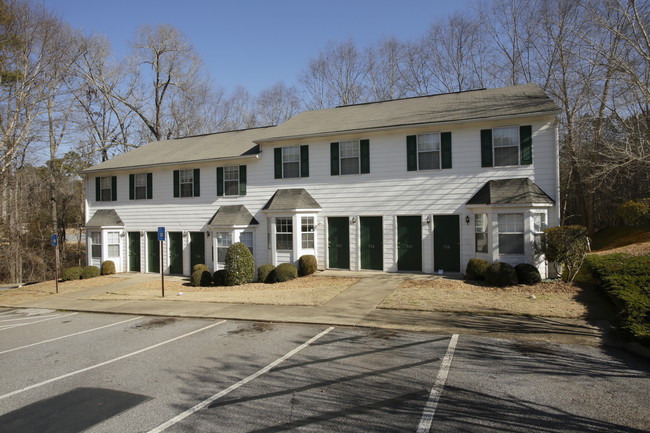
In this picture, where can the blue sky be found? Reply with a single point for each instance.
(256, 43)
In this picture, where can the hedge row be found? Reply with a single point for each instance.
(79, 273)
(502, 274)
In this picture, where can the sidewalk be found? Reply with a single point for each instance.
(355, 306)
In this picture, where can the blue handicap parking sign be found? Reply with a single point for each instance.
(55, 240)
(161, 233)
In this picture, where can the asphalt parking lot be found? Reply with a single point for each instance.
(72, 372)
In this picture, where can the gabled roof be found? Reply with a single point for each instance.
(510, 191)
(199, 148)
(527, 99)
(291, 199)
(105, 218)
(233, 215)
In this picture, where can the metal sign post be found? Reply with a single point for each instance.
(55, 243)
(161, 238)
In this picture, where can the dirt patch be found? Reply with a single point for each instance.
(156, 323)
(34, 292)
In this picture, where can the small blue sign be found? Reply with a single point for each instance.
(161, 233)
(55, 240)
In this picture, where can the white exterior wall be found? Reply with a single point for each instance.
(388, 190)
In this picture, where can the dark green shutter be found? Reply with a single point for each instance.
(304, 160)
(486, 148)
(113, 188)
(197, 182)
(411, 153)
(219, 181)
(445, 145)
(365, 156)
(98, 189)
(177, 188)
(242, 180)
(149, 185)
(277, 152)
(526, 144)
(334, 155)
(131, 186)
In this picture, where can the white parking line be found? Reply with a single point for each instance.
(69, 335)
(16, 325)
(233, 387)
(110, 361)
(27, 318)
(430, 408)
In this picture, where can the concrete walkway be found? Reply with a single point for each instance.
(356, 306)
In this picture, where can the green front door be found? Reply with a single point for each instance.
(175, 252)
(338, 242)
(409, 243)
(197, 249)
(134, 251)
(446, 243)
(153, 252)
(372, 244)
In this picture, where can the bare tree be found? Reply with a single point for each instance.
(385, 76)
(276, 104)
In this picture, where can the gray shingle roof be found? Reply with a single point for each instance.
(291, 199)
(510, 191)
(233, 215)
(451, 107)
(105, 218)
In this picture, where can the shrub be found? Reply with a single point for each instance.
(108, 267)
(89, 272)
(70, 274)
(263, 273)
(200, 266)
(284, 272)
(219, 277)
(635, 212)
(201, 278)
(501, 274)
(527, 274)
(240, 265)
(476, 269)
(566, 246)
(307, 265)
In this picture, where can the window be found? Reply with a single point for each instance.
(428, 151)
(246, 238)
(307, 229)
(511, 233)
(231, 180)
(186, 180)
(506, 146)
(481, 232)
(224, 240)
(349, 157)
(290, 162)
(96, 245)
(284, 233)
(140, 186)
(539, 225)
(113, 242)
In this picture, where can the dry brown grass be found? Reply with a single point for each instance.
(34, 292)
(638, 249)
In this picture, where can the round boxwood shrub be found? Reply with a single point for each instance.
(476, 269)
(201, 278)
(108, 267)
(527, 274)
(89, 272)
(219, 277)
(263, 273)
(285, 272)
(307, 265)
(70, 274)
(501, 274)
(240, 265)
(200, 266)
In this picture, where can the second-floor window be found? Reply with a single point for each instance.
(291, 162)
(106, 188)
(231, 180)
(140, 186)
(350, 157)
(506, 146)
(187, 183)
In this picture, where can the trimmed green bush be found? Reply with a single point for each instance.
(566, 246)
(476, 269)
(200, 266)
(201, 278)
(219, 277)
(527, 274)
(108, 267)
(70, 274)
(240, 265)
(307, 265)
(89, 272)
(501, 274)
(263, 273)
(284, 272)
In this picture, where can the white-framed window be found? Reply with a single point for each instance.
(140, 185)
(539, 225)
(307, 230)
(506, 146)
(290, 162)
(246, 238)
(350, 157)
(481, 232)
(224, 240)
(186, 183)
(284, 233)
(106, 188)
(511, 233)
(113, 244)
(231, 180)
(428, 151)
(96, 245)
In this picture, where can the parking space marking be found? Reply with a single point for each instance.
(70, 335)
(430, 408)
(16, 325)
(234, 386)
(110, 361)
(27, 318)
